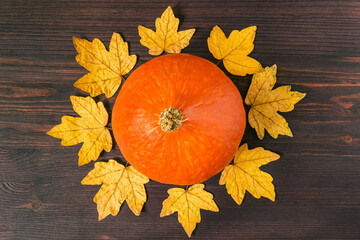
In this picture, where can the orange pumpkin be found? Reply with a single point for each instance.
(178, 119)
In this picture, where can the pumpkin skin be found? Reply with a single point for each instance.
(212, 127)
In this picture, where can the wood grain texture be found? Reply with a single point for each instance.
(315, 45)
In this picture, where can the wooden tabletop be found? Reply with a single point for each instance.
(315, 45)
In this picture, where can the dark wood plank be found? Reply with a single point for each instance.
(316, 48)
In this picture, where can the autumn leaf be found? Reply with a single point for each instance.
(188, 204)
(119, 183)
(166, 38)
(88, 128)
(265, 103)
(106, 67)
(234, 51)
(245, 174)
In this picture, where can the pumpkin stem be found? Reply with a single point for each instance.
(170, 119)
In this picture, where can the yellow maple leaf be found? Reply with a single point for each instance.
(166, 38)
(233, 51)
(265, 103)
(88, 128)
(188, 204)
(245, 174)
(119, 183)
(106, 67)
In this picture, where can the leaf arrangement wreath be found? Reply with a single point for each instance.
(121, 183)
